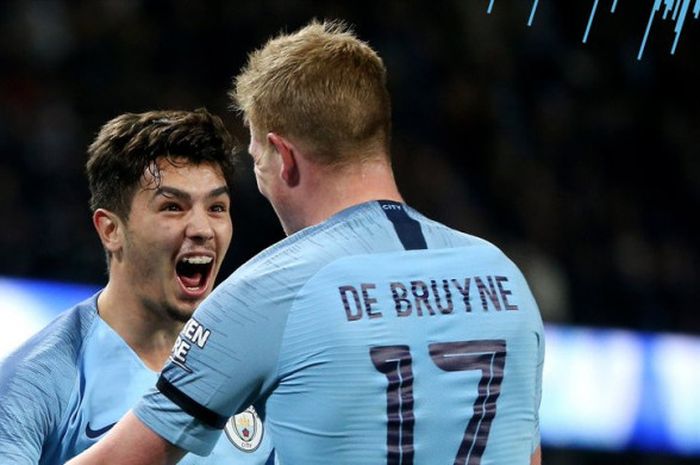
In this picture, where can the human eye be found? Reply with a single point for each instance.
(219, 208)
(170, 207)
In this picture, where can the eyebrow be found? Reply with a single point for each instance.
(167, 191)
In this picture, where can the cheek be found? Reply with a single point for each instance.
(224, 231)
(164, 233)
(159, 242)
(260, 181)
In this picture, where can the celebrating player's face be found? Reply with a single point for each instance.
(177, 235)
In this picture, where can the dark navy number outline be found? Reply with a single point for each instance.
(396, 363)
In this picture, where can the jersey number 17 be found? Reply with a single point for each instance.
(395, 362)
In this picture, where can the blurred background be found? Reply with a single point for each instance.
(578, 160)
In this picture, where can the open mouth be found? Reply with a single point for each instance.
(193, 273)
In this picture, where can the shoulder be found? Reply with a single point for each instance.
(46, 364)
(481, 254)
(291, 259)
(37, 381)
(266, 287)
(439, 235)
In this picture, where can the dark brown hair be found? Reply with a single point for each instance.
(129, 145)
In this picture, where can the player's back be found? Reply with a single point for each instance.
(378, 336)
(413, 344)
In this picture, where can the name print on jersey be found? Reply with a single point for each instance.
(426, 297)
(192, 333)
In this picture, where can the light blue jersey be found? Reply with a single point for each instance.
(378, 336)
(69, 384)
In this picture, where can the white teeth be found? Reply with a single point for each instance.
(199, 260)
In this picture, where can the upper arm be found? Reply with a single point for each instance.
(224, 360)
(28, 411)
(130, 442)
(538, 390)
(21, 439)
(536, 458)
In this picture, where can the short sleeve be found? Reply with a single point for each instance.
(28, 410)
(224, 359)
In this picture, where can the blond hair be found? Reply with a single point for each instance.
(321, 85)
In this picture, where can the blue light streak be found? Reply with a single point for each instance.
(678, 10)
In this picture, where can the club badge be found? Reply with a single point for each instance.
(245, 430)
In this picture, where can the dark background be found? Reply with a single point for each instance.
(580, 161)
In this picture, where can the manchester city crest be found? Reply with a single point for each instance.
(245, 430)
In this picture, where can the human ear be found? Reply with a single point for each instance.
(109, 228)
(289, 169)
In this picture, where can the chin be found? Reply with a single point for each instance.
(182, 312)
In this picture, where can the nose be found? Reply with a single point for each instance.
(199, 227)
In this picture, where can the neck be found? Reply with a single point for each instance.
(149, 333)
(334, 190)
